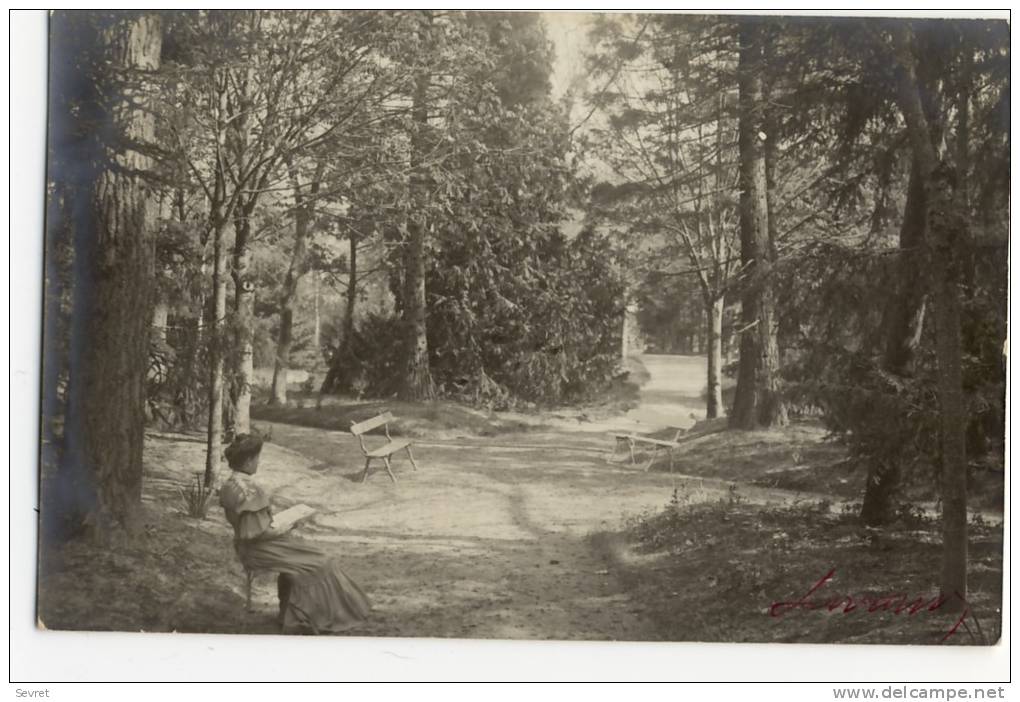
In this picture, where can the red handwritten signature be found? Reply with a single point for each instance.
(897, 603)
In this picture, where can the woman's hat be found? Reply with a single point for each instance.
(242, 448)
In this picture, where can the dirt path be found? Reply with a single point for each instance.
(489, 538)
(482, 542)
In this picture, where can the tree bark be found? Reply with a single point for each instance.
(418, 378)
(625, 331)
(242, 125)
(214, 426)
(714, 404)
(418, 383)
(219, 217)
(946, 224)
(395, 259)
(906, 320)
(243, 376)
(753, 226)
(283, 344)
(101, 471)
(317, 321)
(287, 298)
(757, 402)
(56, 335)
(949, 227)
(298, 263)
(946, 228)
(352, 295)
(335, 380)
(772, 409)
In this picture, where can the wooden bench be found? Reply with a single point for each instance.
(359, 429)
(657, 446)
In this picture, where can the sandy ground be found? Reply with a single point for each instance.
(484, 540)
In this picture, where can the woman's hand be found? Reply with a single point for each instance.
(289, 518)
(277, 529)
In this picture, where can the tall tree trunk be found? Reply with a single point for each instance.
(950, 234)
(243, 375)
(220, 215)
(101, 471)
(283, 344)
(191, 387)
(753, 227)
(757, 401)
(946, 228)
(417, 377)
(317, 317)
(771, 409)
(335, 376)
(904, 325)
(714, 404)
(352, 295)
(395, 259)
(287, 299)
(625, 331)
(906, 317)
(241, 126)
(946, 224)
(188, 386)
(214, 426)
(298, 263)
(56, 326)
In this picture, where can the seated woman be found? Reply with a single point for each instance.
(315, 594)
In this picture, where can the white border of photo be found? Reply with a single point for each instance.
(41, 658)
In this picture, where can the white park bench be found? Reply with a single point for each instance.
(359, 429)
(657, 446)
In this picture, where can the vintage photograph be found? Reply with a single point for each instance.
(525, 325)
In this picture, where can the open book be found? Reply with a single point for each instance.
(288, 518)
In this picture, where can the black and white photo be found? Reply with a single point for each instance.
(559, 326)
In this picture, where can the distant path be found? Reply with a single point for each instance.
(673, 394)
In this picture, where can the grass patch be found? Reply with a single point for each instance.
(712, 571)
(796, 457)
(175, 575)
(804, 457)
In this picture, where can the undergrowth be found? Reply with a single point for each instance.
(710, 568)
